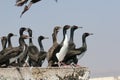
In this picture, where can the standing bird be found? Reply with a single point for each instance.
(71, 42)
(50, 55)
(3, 42)
(42, 53)
(73, 53)
(9, 39)
(13, 54)
(22, 58)
(63, 47)
(54, 53)
(9, 46)
(33, 51)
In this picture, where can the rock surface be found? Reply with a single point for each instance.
(50, 73)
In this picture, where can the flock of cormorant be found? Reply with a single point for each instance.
(28, 55)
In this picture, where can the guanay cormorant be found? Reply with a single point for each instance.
(52, 58)
(73, 53)
(22, 58)
(42, 53)
(50, 54)
(71, 40)
(13, 54)
(63, 47)
(9, 39)
(3, 41)
(9, 47)
(33, 51)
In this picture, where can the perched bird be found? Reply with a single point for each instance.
(71, 41)
(13, 54)
(50, 54)
(33, 52)
(42, 53)
(54, 53)
(22, 58)
(73, 53)
(3, 41)
(63, 47)
(9, 39)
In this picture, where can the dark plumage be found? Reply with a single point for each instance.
(21, 2)
(35, 57)
(71, 40)
(56, 48)
(22, 58)
(14, 53)
(42, 53)
(3, 42)
(73, 53)
(50, 54)
(9, 39)
(27, 7)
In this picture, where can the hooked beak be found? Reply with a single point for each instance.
(80, 27)
(46, 37)
(25, 9)
(91, 33)
(15, 35)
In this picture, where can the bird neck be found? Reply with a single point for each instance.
(84, 42)
(9, 42)
(64, 33)
(21, 41)
(30, 41)
(4, 43)
(41, 45)
(54, 37)
(71, 35)
(30, 35)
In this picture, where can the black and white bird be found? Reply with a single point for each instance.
(58, 51)
(71, 41)
(63, 49)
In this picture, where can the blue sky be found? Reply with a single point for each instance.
(99, 17)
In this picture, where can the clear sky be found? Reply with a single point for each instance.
(101, 17)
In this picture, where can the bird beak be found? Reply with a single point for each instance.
(46, 37)
(15, 35)
(29, 37)
(25, 9)
(90, 33)
(80, 27)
